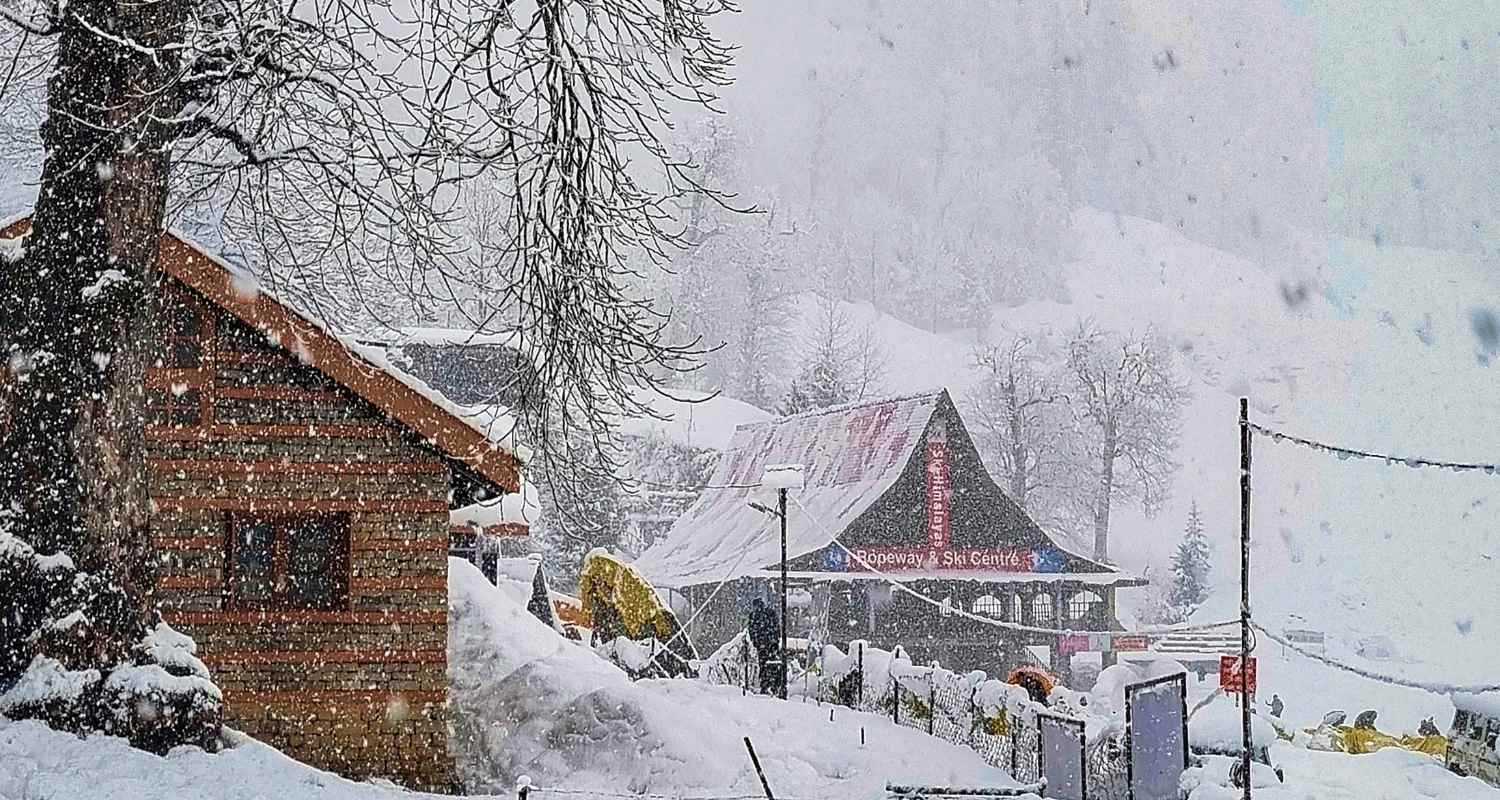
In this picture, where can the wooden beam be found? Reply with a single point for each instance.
(402, 582)
(301, 698)
(285, 505)
(279, 392)
(166, 378)
(301, 617)
(238, 433)
(210, 467)
(188, 542)
(370, 656)
(434, 544)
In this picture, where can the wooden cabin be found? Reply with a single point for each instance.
(302, 491)
(898, 483)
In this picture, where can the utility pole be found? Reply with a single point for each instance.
(1245, 591)
(781, 512)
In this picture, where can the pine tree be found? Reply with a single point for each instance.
(1190, 567)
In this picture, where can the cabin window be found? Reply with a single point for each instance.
(292, 561)
(1084, 606)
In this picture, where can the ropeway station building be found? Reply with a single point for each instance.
(899, 483)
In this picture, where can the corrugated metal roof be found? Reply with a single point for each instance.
(852, 455)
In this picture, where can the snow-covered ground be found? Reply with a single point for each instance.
(1389, 774)
(531, 703)
(38, 763)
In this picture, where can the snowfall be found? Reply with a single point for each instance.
(533, 706)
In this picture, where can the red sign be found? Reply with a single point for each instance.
(896, 559)
(1131, 643)
(1074, 643)
(1230, 679)
(938, 512)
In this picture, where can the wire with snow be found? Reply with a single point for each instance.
(1393, 680)
(991, 621)
(1414, 462)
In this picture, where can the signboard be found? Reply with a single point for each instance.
(1100, 642)
(1073, 643)
(938, 511)
(1230, 679)
(1156, 740)
(896, 559)
(1131, 642)
(1063, 757)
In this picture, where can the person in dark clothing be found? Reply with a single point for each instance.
(765, 635)
(1276, 706)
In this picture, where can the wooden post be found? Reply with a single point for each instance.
(1246, 739)
(758, 771)
(895, 699)
(781, 509)
(861, 675)
(932, 701)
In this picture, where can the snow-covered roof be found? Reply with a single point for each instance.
(1487, 703)
(691, 418)
(521, 508)
(852, 455)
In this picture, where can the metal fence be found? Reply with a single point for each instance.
(946, 707)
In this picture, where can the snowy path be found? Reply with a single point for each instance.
(1387, 775)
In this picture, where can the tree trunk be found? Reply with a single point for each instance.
(1018, 476)
(79, 304)
(1106, 488)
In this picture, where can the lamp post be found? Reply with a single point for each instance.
(781, 477)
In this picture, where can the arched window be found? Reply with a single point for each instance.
(1041, 609)
(990, 605)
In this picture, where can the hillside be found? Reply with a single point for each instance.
(1361, 345)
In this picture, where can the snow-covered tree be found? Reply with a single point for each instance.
(1128, 398)
(840, 365)
(1018, 414)
(1190, 567)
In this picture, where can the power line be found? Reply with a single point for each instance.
(1434, 688)
(1414, 462)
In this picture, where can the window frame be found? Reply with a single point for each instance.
(282, 525)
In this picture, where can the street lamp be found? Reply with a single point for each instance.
(781, 477)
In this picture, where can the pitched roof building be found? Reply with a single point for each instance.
(302, 488)
(895, 491)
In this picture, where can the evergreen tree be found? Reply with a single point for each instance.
(1190, 567)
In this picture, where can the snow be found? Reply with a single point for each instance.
(38, 762)
(45, 680)
(1487, 703)
(147, 679)
(496, 422)
(721, 536)
(1218, 727)
(784, 476)
(12, 250)
(519, 508)
(693, 419)
(1390, 774)
(530, 703)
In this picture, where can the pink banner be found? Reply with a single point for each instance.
(938, 511)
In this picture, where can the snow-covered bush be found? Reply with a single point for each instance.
(76, 653)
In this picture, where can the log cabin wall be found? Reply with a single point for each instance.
(304, 541)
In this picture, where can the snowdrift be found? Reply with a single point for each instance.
(530, 703)
(38, 763)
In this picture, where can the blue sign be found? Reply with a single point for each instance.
(1051, 560)
(835, 559)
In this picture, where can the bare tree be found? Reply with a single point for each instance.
(1129, 398)
(1019, 413)
(840, 365)
(332, 140)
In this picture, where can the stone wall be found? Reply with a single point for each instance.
(359, 689)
